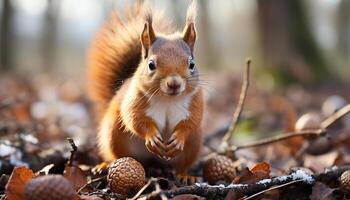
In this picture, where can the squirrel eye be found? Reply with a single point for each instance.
(151, 65)
(191, 65)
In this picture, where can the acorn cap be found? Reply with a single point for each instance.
(219, 168)
(126, 176)
(345, 180)
(53, 187)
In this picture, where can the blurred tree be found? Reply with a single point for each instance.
(177, 12)
(5, 35)
(344, 28)
(205, 46)
(289, 47)
(49, 34)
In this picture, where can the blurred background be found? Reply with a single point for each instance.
(302, 40)
(300, 51)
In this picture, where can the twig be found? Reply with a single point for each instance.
(228, 136)
(277, 138)
(158, 192)
(335, 116)
(138, 194)
(271, 188)
(72, 152)
(162, 195)
(305, 133)
(91, 182)
(5, 103)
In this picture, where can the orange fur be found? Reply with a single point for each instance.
(125, 89)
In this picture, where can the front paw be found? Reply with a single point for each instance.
(174, 146)
(155, 145)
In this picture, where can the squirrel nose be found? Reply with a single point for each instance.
(173, 85)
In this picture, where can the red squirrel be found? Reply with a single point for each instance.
(144, 80)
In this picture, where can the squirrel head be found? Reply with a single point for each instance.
(168, 66)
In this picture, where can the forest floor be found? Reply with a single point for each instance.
(287, 156)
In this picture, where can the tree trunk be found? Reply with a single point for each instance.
(5, 36)
(290, 50)
(205, 47)
(344, 29)
(49, 35)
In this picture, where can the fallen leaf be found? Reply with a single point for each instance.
(259, 172)
(319, 163)
(87, 197)
(264, 167)
(321, 191)
(16, 184)
(76, 176)
(233, 195)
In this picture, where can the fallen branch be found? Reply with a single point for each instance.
(332, 173)
(226, 141)
(212, 191)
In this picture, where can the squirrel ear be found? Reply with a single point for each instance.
(147, 37)
(189, 35)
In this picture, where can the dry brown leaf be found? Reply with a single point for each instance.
(259, 172)
(264, 166)
(233, 195)
(16, 184)
(76, 176)
(86, 197)
(321, 191)
(319, 163)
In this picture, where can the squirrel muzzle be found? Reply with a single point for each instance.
(173, 85)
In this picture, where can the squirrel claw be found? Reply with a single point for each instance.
(100, 168)
(155, 144)
(174, 147)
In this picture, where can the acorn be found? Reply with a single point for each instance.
(126, 176)
(345, 180)
(219, 168)
(308, 121)
(53, 187)
(332, 104)
(312, 120)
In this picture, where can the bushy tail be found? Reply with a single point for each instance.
(116, 52)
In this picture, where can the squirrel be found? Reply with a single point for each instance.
(145, 85)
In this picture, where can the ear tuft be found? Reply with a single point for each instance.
(191, 14)
(189, 32)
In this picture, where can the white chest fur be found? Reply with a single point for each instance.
(168, 112)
